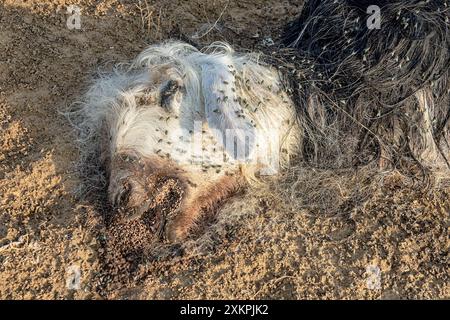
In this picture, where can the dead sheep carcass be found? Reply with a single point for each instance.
(180, 130)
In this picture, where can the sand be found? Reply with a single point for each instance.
(354, 235)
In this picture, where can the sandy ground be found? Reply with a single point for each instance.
(333, 235)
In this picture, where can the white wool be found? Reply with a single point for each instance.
(222, 94)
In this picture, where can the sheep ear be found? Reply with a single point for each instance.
(169, 95)
(224, 113)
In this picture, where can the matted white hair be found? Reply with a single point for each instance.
(217, 102)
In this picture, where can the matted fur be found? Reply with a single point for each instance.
(360, 95)
(371, 94)
(174, 109)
